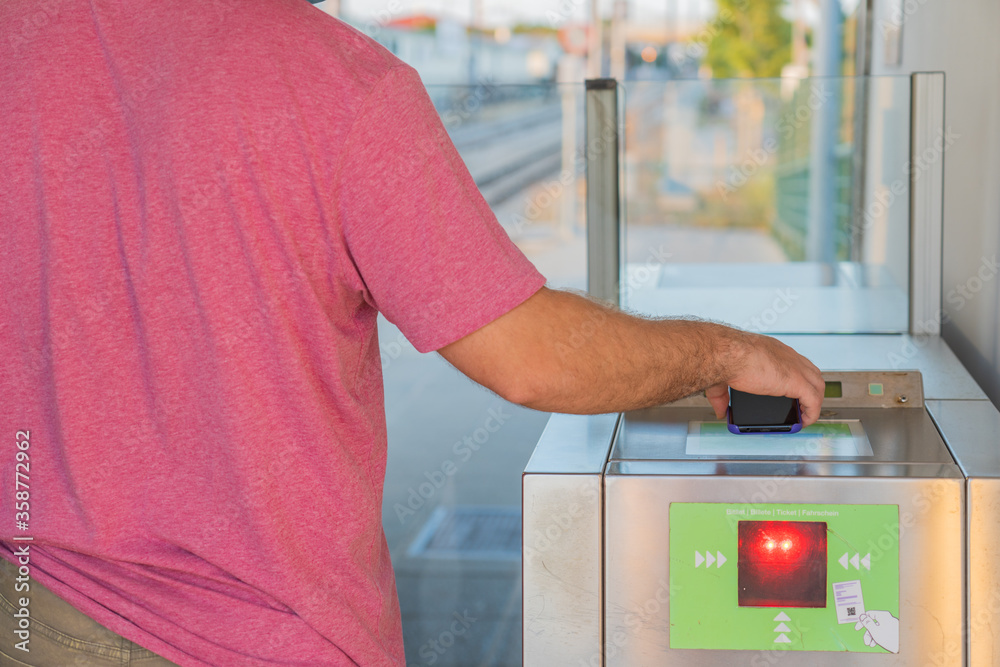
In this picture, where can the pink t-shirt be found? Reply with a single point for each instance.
(203, 205)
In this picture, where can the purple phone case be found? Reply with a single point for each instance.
(733, 428)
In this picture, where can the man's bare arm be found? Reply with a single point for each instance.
(562, 352)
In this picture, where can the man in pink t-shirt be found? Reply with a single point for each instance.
(203, 207)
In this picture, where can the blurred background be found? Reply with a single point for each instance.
(528, 41)
(764, 143)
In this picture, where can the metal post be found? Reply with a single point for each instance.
(474, 37)
(862, 104)
(619, 20)
(926, 200)
(570, 70)
(820, 238)
(603, 194)
(595, 42)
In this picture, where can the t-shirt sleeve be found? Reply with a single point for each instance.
(433, 258)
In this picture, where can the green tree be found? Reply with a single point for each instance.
(750, 38)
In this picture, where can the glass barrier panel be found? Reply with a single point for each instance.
(775, 205)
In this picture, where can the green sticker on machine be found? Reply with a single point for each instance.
(784, 577)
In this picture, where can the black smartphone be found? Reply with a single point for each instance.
(753, 413)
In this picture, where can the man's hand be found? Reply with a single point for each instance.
(773, 369)
(563, 352)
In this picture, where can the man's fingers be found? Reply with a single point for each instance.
(813, 405)
(810, 410)
(718, 396)
(810, 388)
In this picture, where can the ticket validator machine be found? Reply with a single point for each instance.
(872, 538)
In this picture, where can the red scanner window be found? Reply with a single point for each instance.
(782, 564)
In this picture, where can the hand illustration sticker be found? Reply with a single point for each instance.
(881, 629)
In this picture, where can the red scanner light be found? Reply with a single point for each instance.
(782, 564)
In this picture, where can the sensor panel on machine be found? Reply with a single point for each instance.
(825, 439)
(781, 564)
(784, 577)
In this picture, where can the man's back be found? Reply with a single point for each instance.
(197, 211)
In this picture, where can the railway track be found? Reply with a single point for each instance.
(508, 154)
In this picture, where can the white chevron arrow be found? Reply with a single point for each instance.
(720, 559)
(854, 561)
(782, 616)
(698, 560)
(782, 628)
(782, 639)
(709, 559)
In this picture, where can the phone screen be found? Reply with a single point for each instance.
(762, 411)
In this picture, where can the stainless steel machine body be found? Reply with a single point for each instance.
(610, 580)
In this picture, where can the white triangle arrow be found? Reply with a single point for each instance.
(782, 628)
(782, 639)
(709, 559)
(782, 616)
(720, 559)
(854, 561)
(698, 560)
(843, 561)
(867, 561)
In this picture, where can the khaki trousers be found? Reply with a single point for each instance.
(61, 636)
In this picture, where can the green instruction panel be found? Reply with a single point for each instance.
(786, 577)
